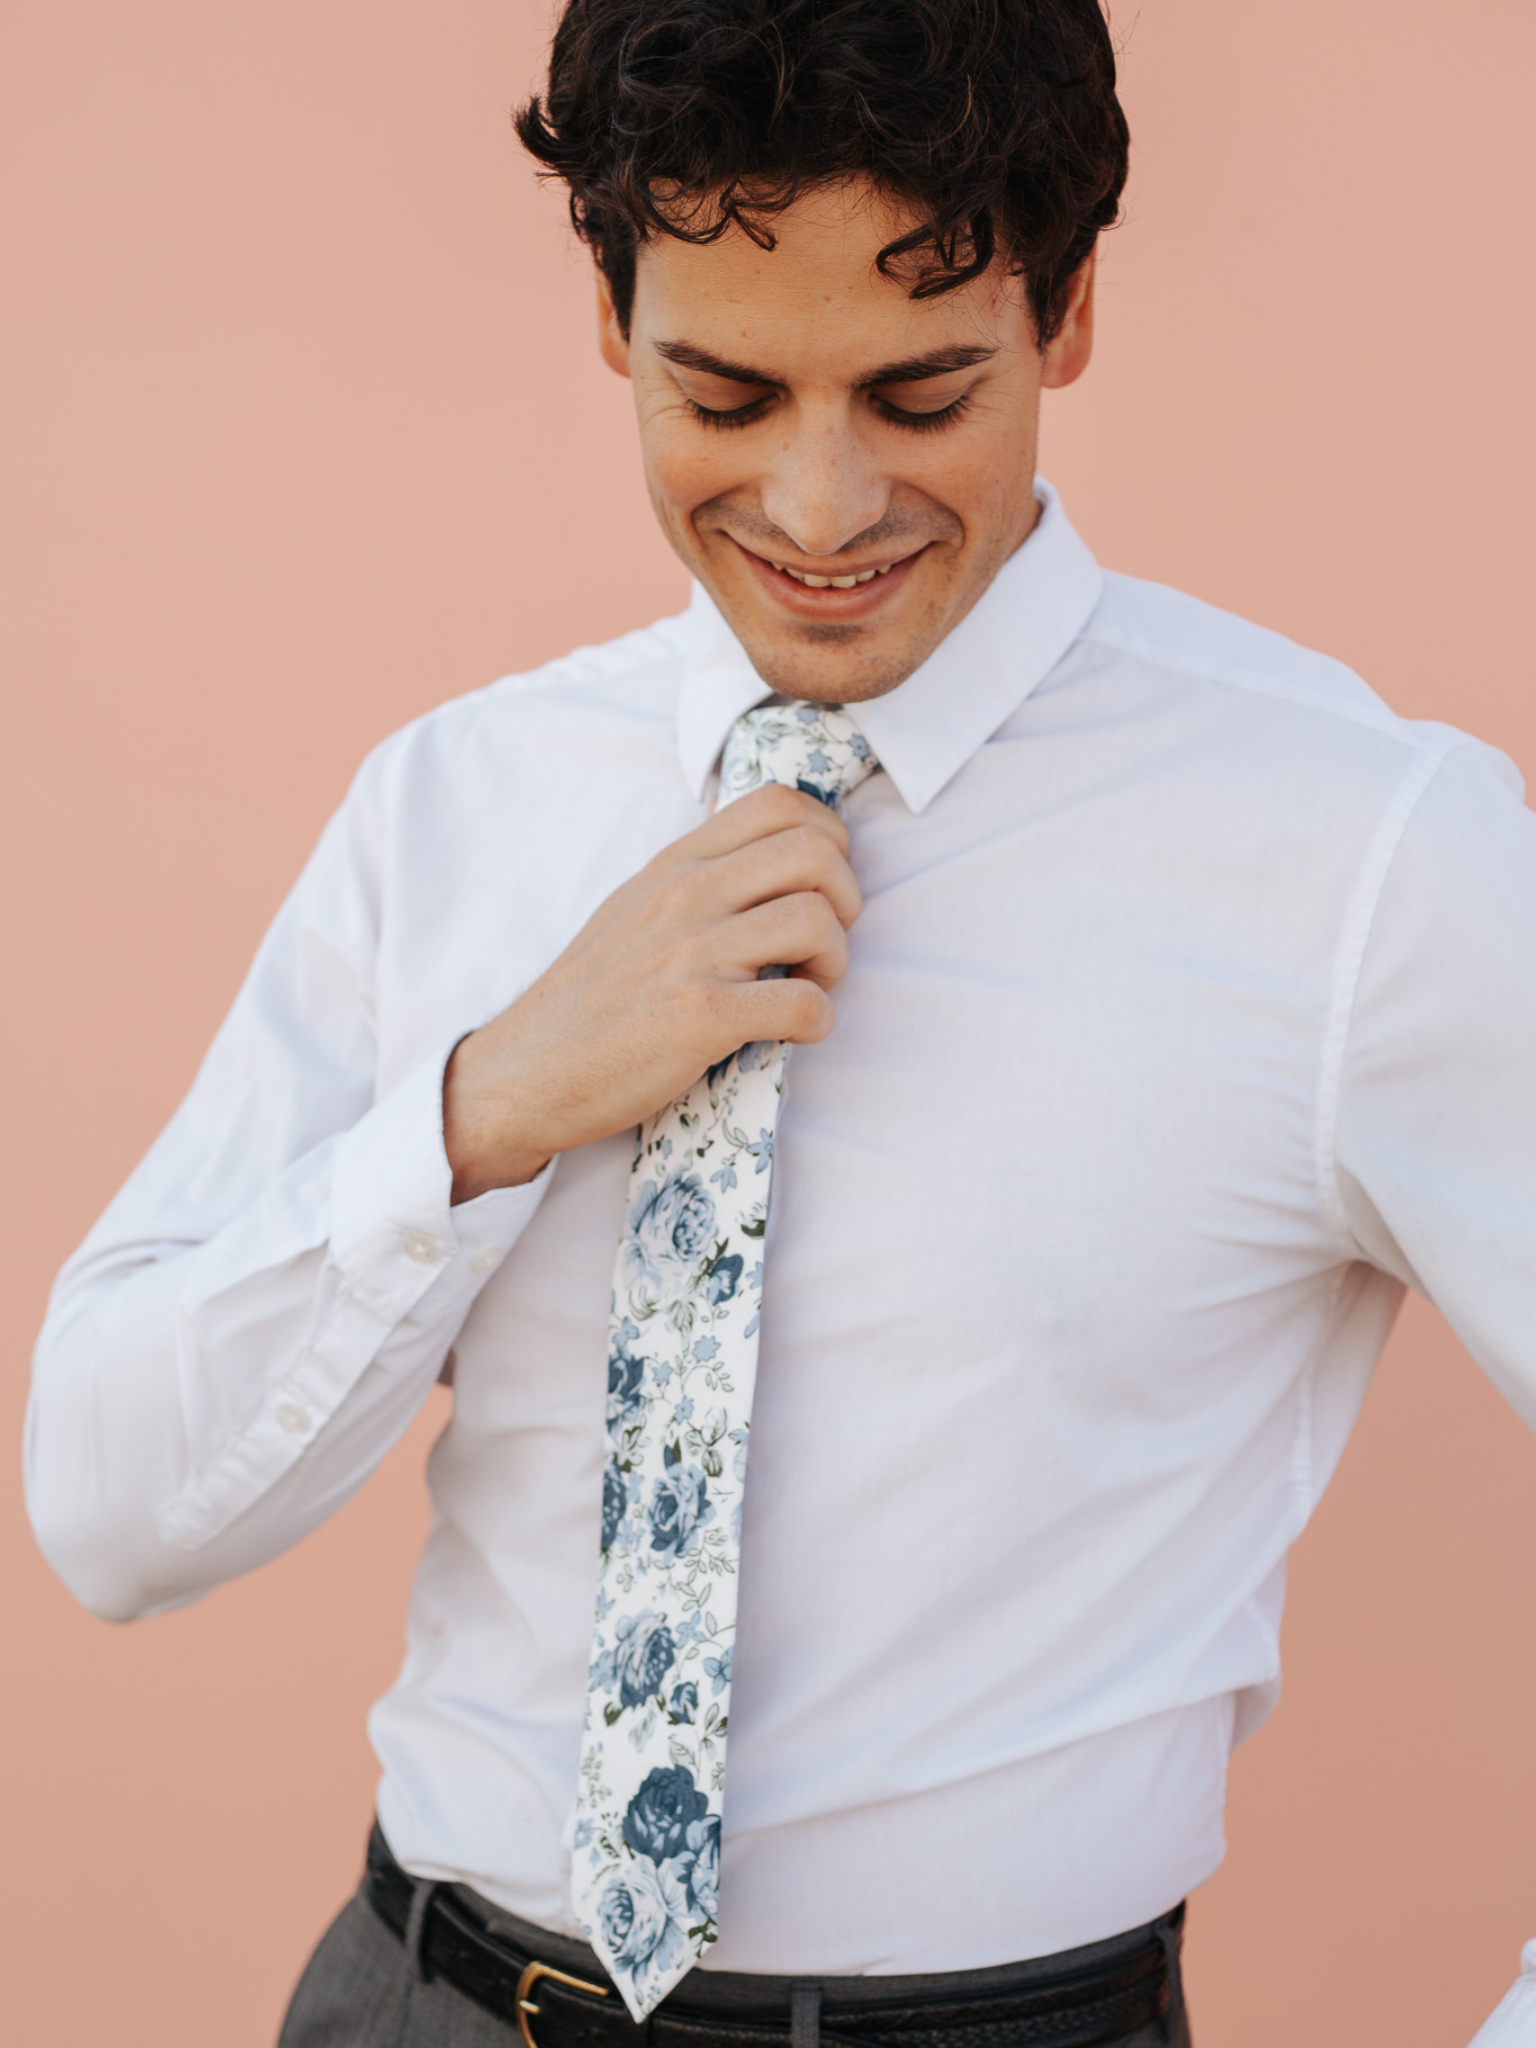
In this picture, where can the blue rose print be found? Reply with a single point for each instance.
(682, 1358)
(615, 1501)
(626, 1385)
(643, 1916)
(702, 1868)
(724, 1279)
(680, 1505)
(657, 1822)
(643, 1654)
(670, 1226)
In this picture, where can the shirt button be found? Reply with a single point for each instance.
(420, 1247)
(486, 1260)
(293, 1418)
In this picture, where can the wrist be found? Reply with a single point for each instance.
(483, 1152)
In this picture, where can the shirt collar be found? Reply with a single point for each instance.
(928, 727)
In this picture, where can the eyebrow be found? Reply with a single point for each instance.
(938, 362)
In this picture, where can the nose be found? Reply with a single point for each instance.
(823, 486)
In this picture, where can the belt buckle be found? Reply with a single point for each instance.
(525, 1984)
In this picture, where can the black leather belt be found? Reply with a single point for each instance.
(1091, 2003)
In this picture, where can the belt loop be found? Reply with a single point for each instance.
(1170, 1933)
(805, 2016)
(422, 1893)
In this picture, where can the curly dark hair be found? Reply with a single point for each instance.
(996, 120)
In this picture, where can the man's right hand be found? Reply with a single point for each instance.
(661, 983)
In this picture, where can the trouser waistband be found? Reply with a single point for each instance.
(559, 1995)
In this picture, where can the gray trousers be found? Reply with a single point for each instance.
(361, 1990)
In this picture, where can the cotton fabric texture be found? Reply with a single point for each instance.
(1190, 1019)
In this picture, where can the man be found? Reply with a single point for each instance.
(1184, 1004)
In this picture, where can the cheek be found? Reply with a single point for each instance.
(687, 465)
(979, 482)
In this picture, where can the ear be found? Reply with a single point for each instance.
(612, 343)
(1067, 356)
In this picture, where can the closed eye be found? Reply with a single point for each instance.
(730, 416)
(922, 422)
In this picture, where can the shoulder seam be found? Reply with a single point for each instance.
(1355, 929)
(1238, 677)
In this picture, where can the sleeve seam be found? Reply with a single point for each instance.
(1355, 931)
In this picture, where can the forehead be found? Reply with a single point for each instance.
(817, 299)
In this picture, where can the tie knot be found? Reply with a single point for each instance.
(814, 747)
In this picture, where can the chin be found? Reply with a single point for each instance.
(829, 664)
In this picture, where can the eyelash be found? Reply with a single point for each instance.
(910, 422)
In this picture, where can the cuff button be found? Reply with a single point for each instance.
(293, 1418)
(486, 1260)
(420, 1247)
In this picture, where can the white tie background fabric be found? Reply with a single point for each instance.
(682, 1364)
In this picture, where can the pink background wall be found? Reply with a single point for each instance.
(301, 431)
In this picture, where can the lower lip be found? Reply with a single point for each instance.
(830, 605)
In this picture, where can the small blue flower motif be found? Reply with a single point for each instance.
(718, 1670)
(724, 1177)
(691, 1632)
(817, 762)
(706, 1349)
(858, 746)
(660, 1374)
(584, 1831)
(755, 1277)
(680, 1506)
(643, 1654)
(761, 1149)
(684, 1703)
(683, 1412)
(724, 1279)
(807, 713)
(615, 1501)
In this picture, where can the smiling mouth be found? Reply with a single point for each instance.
(849, 579)
(829, 582)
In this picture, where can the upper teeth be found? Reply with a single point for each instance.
(830, 582)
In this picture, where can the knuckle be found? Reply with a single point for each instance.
(818, 848)
(700, 1006)
(807, 1006)
(778, 801)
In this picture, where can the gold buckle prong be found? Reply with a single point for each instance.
(525, 1984)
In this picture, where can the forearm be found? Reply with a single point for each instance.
(119, 1439)
(198, 1408)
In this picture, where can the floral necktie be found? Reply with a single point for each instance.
(682, 1361)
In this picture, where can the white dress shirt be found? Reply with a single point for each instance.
(1190, 1018)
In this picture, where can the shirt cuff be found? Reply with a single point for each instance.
(393, 1231)
(1513, 2025)
(399, 1250)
